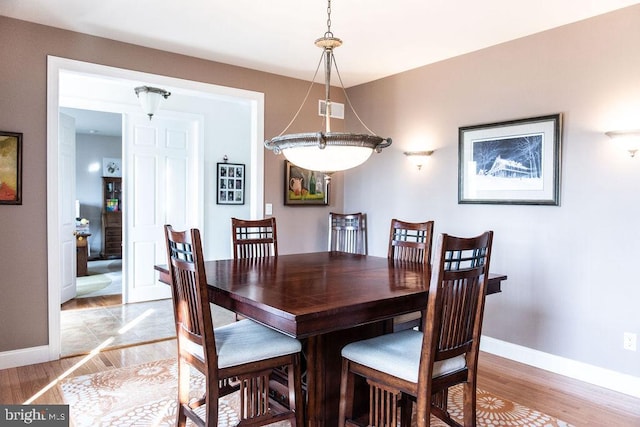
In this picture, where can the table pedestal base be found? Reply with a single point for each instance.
(323, 371)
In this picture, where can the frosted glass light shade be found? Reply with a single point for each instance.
(151, 98)
(328, 159)
(327, 152)
(418, 158)
(628, 140)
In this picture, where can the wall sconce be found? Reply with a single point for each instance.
(627, 139)
(151, 98)
(418, 158)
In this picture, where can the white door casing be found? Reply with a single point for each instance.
(161, 186)
(102, 100)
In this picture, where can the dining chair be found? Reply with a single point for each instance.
(410, 242)
(348, 233)
(411, 367)
(255, 238)
(238, 356)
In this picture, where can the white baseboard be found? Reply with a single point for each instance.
(601, 377)
(24, 356)
(606, 378)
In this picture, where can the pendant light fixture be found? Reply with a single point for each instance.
(327, 151)
(151, 98)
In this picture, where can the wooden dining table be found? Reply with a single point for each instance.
(325, 299)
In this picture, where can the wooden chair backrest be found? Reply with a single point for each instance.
(254, 238)
(348, 233)
(410, 241)
(453, 321)
(190, 297)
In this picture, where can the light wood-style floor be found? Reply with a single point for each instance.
(569, 400)
(93, 302)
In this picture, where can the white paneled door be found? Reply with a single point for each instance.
(66, 204)
(161, 186)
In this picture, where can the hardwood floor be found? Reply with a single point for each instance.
(569, 400)
(92, 302)
(21, 384)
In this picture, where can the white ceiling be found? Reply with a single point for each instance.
(95, 122)
(380, 38)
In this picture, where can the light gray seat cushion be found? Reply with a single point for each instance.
(397, 354)
(247, 341)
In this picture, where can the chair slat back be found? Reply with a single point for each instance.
(190, 293)
(347, 233)
(410, 241)
(456, 296)
(254, 238)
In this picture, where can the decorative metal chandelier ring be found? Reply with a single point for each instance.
(165, 94)
(321, 140)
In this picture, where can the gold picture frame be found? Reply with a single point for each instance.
(10, 168)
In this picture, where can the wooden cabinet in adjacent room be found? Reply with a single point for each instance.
(111, 217)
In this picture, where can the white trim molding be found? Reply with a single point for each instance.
(591, 374)
(24, 356)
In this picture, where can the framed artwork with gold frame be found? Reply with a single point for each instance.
(10, 168)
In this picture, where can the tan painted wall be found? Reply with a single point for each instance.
(573, 287)
(23, 74)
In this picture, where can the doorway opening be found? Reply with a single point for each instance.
(92, 312)
(240, 137)
(98, 208)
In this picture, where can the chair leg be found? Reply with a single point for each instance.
(346, 394)
(423, 408)
(181, 417)
(469, 390)
(212, 400)
(296, 399)
(406, 411)
(184, 374)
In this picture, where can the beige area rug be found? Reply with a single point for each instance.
(145, 395)
(104, 277)
(86, 285)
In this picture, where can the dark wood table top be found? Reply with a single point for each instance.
(310, 294)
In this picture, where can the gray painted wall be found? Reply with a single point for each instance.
(91, 149)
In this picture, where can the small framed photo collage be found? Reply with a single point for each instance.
(230, 184)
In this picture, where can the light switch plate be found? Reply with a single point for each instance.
(268, 209)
